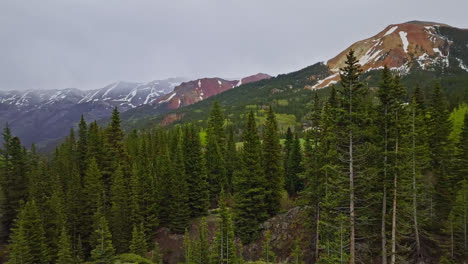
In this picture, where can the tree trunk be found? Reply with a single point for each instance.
(384, 198)
(383, 231)
(415, 202)
(352, 246)
(394, 211)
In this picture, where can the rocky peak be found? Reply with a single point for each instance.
(399, 47)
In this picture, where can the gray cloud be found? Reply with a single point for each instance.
(87, 44)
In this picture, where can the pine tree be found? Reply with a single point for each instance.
(293, 181)
(198, 195)
(272, 164)
(95, 144)
(215, 166)
(93, 193)
(19, 251)
(231, 158)
(103, 251)
(13, 180)
(440, 127)
(458, 224)
(214, 153)
(462, 156)
(385, 87)
(288, 144)
(351, 118)
(30, 220)
(249, 182)
(180, 210)
(82, 145)
(138, 243)
(225, 251)
(64, 253)
(419, 163)
(166, 191)
(119, 212)
(54, 219)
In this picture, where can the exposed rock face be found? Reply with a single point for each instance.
(399, 47)
(285, 228)
(194, 91)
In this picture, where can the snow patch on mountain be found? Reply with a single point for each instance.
(404, 40)
(168, 99)
(390, 31)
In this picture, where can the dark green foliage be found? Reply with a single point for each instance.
(64, 253)
(103, 251)
(439, 146)
(214, 152)
(82, 146)
(28, 243)
(272, 164)
(231, 157)
(198, 195)
(294, 168)
(249, 186)
(179, 208)
(138, 243)
(119, 221)
(13, 177)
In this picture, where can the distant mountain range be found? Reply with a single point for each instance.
(45, 116)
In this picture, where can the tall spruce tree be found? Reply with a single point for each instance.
(198, 195)
(214, 153)
(82, 145)
(439, 145)
(14, 181)
(351, 121)
(294, 167)
(180, 210)
(272, 163)
(249, 181)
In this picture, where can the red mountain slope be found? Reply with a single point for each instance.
(193, 91)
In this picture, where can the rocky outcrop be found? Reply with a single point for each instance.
(285, 228)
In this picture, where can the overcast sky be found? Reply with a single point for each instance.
(54, 44)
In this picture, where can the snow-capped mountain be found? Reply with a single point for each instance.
(42, 115)
(404, 47)
(122, 94)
